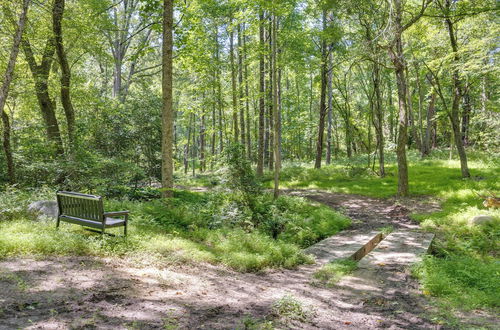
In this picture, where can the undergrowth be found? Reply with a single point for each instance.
(191, 227)
(331, 273)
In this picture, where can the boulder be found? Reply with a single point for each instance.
(481, 219)
(44, 208)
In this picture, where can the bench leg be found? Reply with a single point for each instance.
(125, 225)
(57, 223)
(102, 231)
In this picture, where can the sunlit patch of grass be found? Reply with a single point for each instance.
(191, 227)
(331, 273)
(288, 309)
(463, 281)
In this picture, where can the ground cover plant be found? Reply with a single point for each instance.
(205, 227)
(464, 266)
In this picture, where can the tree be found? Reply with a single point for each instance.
(167, 168)
(57, 15)
(4, 90)
(397, 56)
(276, 114)
(322, 102)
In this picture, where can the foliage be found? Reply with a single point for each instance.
(288, 308)
(333, 272)
(470, 250)
(191, 227)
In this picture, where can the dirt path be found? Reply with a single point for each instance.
(82, 292)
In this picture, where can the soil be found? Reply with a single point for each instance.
(112, 293)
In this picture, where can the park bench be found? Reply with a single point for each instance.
(88, 211)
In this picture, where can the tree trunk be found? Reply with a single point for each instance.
(379, 118)
(330, 108)
(57, 15)
(270, 95)
(262, 110)
(247, 101)
(4, 91)
(397, 57)
(40, 75)
(322, 103)
(167, 167)
(276, 115)
(241, 89)
(457, 95)
(202, 143)
(236, 131)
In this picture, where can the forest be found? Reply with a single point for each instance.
(253, 142)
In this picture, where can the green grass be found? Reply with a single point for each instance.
(331, 273)
(192, 227)
(464, 269)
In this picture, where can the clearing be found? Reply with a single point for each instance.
(112, 293)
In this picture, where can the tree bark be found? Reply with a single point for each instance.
(379, 118)
(4, 91)
(236, 130)
(262, 105)
(397, 57)
(457, 95)
(330, 108)
(40, 75)
(247, 101)
(167, 167)
(322, 103)
(271, 108)
(240, 88)
(57, 16)
(276, 115)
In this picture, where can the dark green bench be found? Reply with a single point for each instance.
(88, 211)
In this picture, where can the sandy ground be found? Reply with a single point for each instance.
(97, 293)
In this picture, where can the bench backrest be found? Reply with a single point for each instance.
(82, 206)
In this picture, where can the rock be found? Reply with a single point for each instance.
(481, 219)
(46, 208)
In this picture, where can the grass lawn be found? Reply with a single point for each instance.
(464, 268)
(192, 227)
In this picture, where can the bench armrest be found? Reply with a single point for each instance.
(116, 214)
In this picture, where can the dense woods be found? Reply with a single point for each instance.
(297, 80)
(239, 135)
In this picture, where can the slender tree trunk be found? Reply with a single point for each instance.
(398, 60)
(330, 108)
(270, 95)
(420, 107)
(379, 118)
(262, 110)
(236, 131)
(309, 131)
(247, 101)
(213, 138)
(167, 167)
(57, 16)
(202, 144)
(467, 110)
(457, 95)
(219, 93)
(4, 91)
(241, 89)
(276, 115)
(426, 145)
(322, 102)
